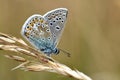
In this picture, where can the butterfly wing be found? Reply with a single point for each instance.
(56, 20)
(37, 32)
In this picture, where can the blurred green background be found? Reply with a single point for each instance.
(92, 36)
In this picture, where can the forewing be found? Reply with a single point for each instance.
(37, 32)
(56, 20)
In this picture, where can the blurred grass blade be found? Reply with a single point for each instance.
(32, 60)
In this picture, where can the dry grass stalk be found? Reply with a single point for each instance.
(39, 62)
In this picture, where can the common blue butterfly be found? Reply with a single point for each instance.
(44, 32)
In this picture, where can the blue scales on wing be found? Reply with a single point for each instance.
(37, 32)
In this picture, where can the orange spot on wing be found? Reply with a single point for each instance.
(41, 21)
(27, 34)
(31, 24)
(29, 28)
(36, 20)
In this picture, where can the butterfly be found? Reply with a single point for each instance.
(44, 32)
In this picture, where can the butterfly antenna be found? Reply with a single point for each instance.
(68, 54)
